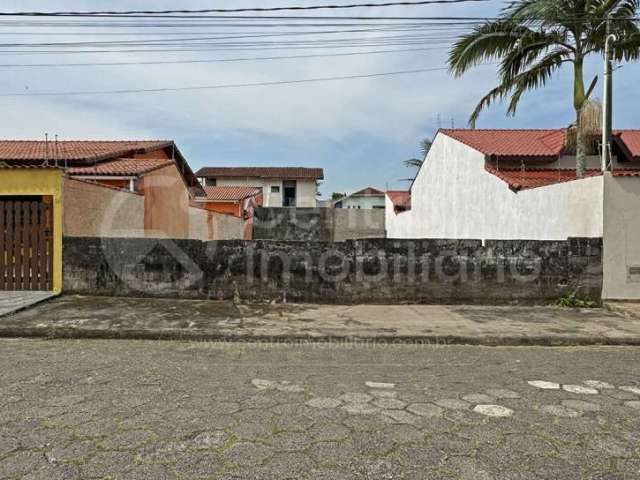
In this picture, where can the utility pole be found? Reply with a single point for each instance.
(607, 110)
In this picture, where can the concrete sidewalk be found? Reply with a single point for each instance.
(14, 301)
(108, 317)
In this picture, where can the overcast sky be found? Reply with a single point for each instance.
(358, 130)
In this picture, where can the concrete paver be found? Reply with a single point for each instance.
(123, 409)
(14, 301)
(109, 317)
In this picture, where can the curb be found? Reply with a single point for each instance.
(429, 340)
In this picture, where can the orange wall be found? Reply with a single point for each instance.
(166, 203)
(230, 208)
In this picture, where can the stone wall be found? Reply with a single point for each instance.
(317, 224)
(362, 271)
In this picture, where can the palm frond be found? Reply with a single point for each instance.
(487, 42)
(413, 163)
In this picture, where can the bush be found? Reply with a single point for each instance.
(572, 301)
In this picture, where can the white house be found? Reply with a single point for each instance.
(281, 186)
(365, 199)
(521, 184)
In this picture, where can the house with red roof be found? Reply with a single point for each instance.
(280, 186)
(522, 184)
(119, 188)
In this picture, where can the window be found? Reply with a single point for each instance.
(275, 189)
(210, 182)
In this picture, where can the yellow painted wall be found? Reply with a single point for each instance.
(40, 181)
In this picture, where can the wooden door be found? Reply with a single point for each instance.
(26, 245)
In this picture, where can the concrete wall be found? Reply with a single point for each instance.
(93, 210)
(351, 224)
(207, 225)
(306, 190)
(317, 224)
(166, 201)
(367, 271)
(621, 238)
(454, 197)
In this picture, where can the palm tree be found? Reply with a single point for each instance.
(425, 146)
(532, 39)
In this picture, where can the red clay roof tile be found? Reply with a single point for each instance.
(262, 172)
(518, 179)
(512, 143)
(401, 199)
(39, 150)
(631, 140)
(230, 193)
(123, 166)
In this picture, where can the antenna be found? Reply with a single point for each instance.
(438, 121)
(46, 149)
(55, 151)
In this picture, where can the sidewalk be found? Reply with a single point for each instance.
(108, 317)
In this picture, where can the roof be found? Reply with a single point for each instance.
(512, 143)
(518, 179)
(74, 150)
(630, 140)
(262, 172)
(219, 194)
(123, 166)
(401, 199)
(368, 192)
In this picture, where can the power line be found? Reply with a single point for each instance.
(215, 60)
(233, 10)
(221, 86)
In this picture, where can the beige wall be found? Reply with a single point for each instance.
(207, 225)
(305, 190)
(91, 210)
(621, 238)
(350, 224)
(166, 201)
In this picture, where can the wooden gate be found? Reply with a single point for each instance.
(26, 245)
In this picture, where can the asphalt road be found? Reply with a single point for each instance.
(155, 410)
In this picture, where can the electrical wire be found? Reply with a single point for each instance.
(112, 13)
(214, 60)
(220, 86)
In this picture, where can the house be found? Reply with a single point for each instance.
(367, 199)
(522, 185)
(281, 186)
(237, 201)
(120, 188)
(398, 201)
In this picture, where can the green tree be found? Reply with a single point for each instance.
(337, 196)
(532, 39)
(425, 146)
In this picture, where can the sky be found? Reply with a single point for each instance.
(358, 130)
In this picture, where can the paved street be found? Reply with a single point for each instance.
(156, 410)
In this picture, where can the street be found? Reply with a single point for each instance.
(155, 410)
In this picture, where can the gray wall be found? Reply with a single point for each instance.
(362, 271)
(318, 224)
(621, 238)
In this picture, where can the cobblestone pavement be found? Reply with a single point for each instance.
(164, 410)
